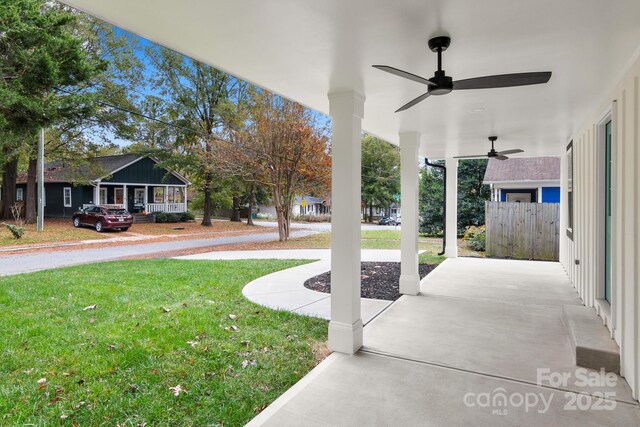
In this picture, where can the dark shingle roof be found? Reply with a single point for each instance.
(61, 171)
(522, 169)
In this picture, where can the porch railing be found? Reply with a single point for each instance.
(165, 207)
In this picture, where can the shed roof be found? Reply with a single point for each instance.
(522, 169)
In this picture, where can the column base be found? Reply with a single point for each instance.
(345, 338)
(409, 285)
(451, 252)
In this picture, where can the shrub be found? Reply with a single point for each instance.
(263, 215)
(169, 217)
(476, 237)
(313, 218)
(16, 230)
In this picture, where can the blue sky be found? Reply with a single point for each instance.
(141, 45)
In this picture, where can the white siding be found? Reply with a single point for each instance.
(587, 245)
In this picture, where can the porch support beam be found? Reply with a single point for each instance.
(345, 327)
(451, 249)
(409, 170)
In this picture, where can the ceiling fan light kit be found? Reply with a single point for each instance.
(441, 84)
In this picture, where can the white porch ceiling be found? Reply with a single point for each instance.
(304, 49)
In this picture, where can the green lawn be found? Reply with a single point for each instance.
(156, 324)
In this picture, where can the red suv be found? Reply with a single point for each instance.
(103, 218)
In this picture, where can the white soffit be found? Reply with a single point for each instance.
(305, 49)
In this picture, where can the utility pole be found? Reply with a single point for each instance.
(40, 216)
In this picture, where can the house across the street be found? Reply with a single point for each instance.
(526, 180)
(131, 181)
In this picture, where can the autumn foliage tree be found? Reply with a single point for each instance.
(278, 144)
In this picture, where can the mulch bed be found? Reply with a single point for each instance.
(379, 280)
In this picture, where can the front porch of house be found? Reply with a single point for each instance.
(139, 198)
(483, 343)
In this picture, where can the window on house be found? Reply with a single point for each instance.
(103, 196)
(178, 195)
(158, 194)
(19, 194)
(66, 197)
(570, 190)
(138, 196)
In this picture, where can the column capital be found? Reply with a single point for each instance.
(346, 102)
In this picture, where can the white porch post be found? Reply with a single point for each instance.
(451, 249)
(345, 327)
(166, 198)
(184, 194)
(124, 196)
(96, 195)
(409, 170)
(145, 200)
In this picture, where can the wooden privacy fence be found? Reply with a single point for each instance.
(522, 230)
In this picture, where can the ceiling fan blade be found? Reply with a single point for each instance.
(413, 102)
(501, 157)
(404, 74)
(514, 151)
(503, 80)
(470, 157)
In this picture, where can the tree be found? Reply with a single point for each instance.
(472, 194)
(432, 199)
(40, 56)
(199, 98)
(380, 173)
(277, 143)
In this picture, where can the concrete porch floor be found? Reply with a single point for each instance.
(480, 329)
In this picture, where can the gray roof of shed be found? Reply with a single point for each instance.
(522, 169)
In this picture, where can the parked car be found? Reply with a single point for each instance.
(387, 220)
(103, 218)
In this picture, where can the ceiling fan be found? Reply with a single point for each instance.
(441, 84)
(493, 154)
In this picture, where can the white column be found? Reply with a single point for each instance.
(451, 249)
(184, 194)
(145, 200)
(345, 327)
(166, 198)
(96, 195)
(124, 197)
(409, 170)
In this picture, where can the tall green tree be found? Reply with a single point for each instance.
(380, 173)
(199, 99)
(472, 194)
(431, 204)
(40, 56)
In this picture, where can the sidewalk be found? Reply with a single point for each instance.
(285, 290)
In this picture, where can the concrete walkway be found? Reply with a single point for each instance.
(284, 290)
(474, 348)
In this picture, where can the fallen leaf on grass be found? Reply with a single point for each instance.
(246, 363)
(90, 307)
(42, 381)
(166, 310)
(233, 328)
(193, 344)
(177, 390)
(233, 317)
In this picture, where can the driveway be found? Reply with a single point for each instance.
(24, 263)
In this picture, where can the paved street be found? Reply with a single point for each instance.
(23, 263)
